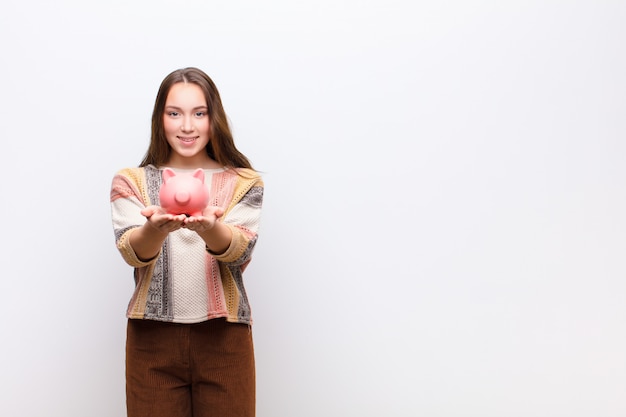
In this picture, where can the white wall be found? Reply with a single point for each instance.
(444, 225)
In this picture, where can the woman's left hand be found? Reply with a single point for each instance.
(206, 222)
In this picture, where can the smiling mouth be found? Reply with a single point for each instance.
(187, 139)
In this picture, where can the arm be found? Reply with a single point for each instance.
(216, 235)
(233, 233)
(146, 240)
(138, 240)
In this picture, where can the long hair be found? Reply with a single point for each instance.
(221, 146)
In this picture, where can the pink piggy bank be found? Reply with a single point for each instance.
(184, 193)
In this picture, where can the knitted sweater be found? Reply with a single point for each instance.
(185, 282)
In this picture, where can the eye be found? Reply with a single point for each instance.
(200, 114)
(173, 113)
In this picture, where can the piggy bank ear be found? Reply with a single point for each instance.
(199, 174)
(167, 174)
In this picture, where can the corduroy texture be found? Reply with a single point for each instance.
(189, 370)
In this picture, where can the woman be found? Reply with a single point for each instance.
(189, 348)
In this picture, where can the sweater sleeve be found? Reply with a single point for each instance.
(127, 201)
(243, 218)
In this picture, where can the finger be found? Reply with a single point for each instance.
(148, 211)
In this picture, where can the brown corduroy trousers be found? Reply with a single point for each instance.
(189, 370)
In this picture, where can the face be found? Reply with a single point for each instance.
(186, 123)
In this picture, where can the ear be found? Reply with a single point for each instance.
(167, 174)
(199, 174)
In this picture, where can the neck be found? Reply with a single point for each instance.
(192, 163)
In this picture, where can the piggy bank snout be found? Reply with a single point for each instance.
(182, 197)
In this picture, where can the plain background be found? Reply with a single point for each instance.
(444, 222)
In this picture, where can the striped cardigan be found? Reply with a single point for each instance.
(186, 283)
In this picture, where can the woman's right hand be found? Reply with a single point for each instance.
(162, 221)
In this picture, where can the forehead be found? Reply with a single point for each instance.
(185, 95)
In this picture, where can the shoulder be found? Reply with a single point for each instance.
(130, 178)
(247, 175)
(129, 172)
(133, 182)
(135, 174)
(248, 187)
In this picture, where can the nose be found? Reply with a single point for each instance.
(187, 124)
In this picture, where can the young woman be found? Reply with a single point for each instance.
(189, 349)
